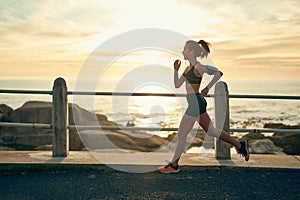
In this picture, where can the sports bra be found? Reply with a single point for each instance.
(191, 77)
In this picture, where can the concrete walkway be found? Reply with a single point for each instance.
(18, 161)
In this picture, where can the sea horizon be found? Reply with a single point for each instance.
(167, 112)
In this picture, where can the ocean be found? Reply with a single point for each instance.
(167, 111)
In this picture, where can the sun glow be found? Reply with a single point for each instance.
(154, 110)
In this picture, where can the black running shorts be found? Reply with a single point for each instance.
(196, 105)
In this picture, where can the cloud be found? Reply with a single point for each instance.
(233, 17)
(47, 33)
(45, 22)
(38, 38)
(261, 38)
(254, 10)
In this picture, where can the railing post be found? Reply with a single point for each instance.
(60, 133)
(222, 118)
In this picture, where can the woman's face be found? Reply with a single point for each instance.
(186, 52)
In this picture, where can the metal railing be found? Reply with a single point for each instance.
(59, 124)
(237, 96)
(141, 128)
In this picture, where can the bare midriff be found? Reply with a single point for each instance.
(192, 88)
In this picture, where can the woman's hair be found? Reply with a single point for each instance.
(200, 48)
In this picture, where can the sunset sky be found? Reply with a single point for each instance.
(44, 39)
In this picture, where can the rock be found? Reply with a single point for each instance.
(146, 144)
(265, 146)
(36, 140)
(79, 116)
(103, 121)
(28, 138)
(4, 112)
(121, 140)
(253, 136)
(44, 147)
(5, 109)
(195, 139)
(172, 136)
(281, 126)
(289, 142)
(30, 112)
(4, 148)
(41, 112)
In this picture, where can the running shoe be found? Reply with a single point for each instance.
(169, 168)
(244, 150)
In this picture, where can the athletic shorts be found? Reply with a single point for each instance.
(196, 105)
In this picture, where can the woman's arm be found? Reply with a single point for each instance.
(217, 75)
(210, 70)
(177, 81)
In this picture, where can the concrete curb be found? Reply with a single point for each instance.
(42, 161)
(21, 168)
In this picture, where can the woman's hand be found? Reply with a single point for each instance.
(204, 92)
(177, 65)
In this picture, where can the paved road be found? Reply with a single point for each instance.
(190, 183)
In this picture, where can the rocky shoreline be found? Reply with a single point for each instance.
(278, 143)
(41, 139)
(15, 138)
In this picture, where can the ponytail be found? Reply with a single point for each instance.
(200, 48)
(205, 45)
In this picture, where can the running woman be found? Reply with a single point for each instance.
(196, 110)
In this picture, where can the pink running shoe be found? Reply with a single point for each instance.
(169, 168)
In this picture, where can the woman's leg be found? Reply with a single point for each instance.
(206, 123)
(186, 125)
